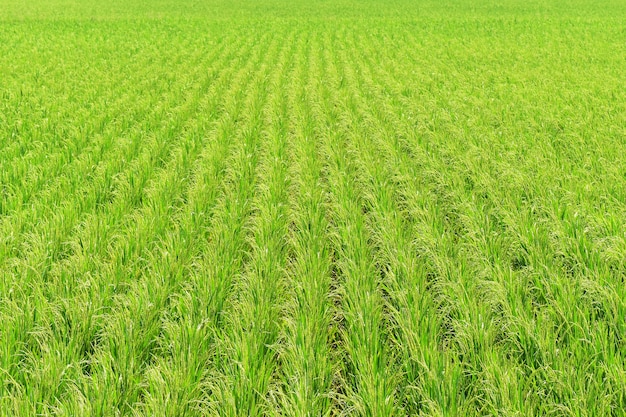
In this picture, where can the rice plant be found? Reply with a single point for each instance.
(272, 208)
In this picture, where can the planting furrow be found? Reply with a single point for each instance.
(493, 246)
(307, 367)
(95, 268)
(414, 331)
(245, 358)
(69, 131)
(500, 371)
(90, 183)
(179, 364)
(63, 137)
(480, 368)
(159, 270)
(376, 208)
(368, 380)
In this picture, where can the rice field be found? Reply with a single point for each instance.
(348, 208)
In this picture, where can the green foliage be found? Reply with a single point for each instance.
(323, 208)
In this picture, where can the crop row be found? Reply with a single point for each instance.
(362, 217)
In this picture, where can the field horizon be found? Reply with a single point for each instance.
(323, 208)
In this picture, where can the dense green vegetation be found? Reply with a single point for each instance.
(313, 208)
